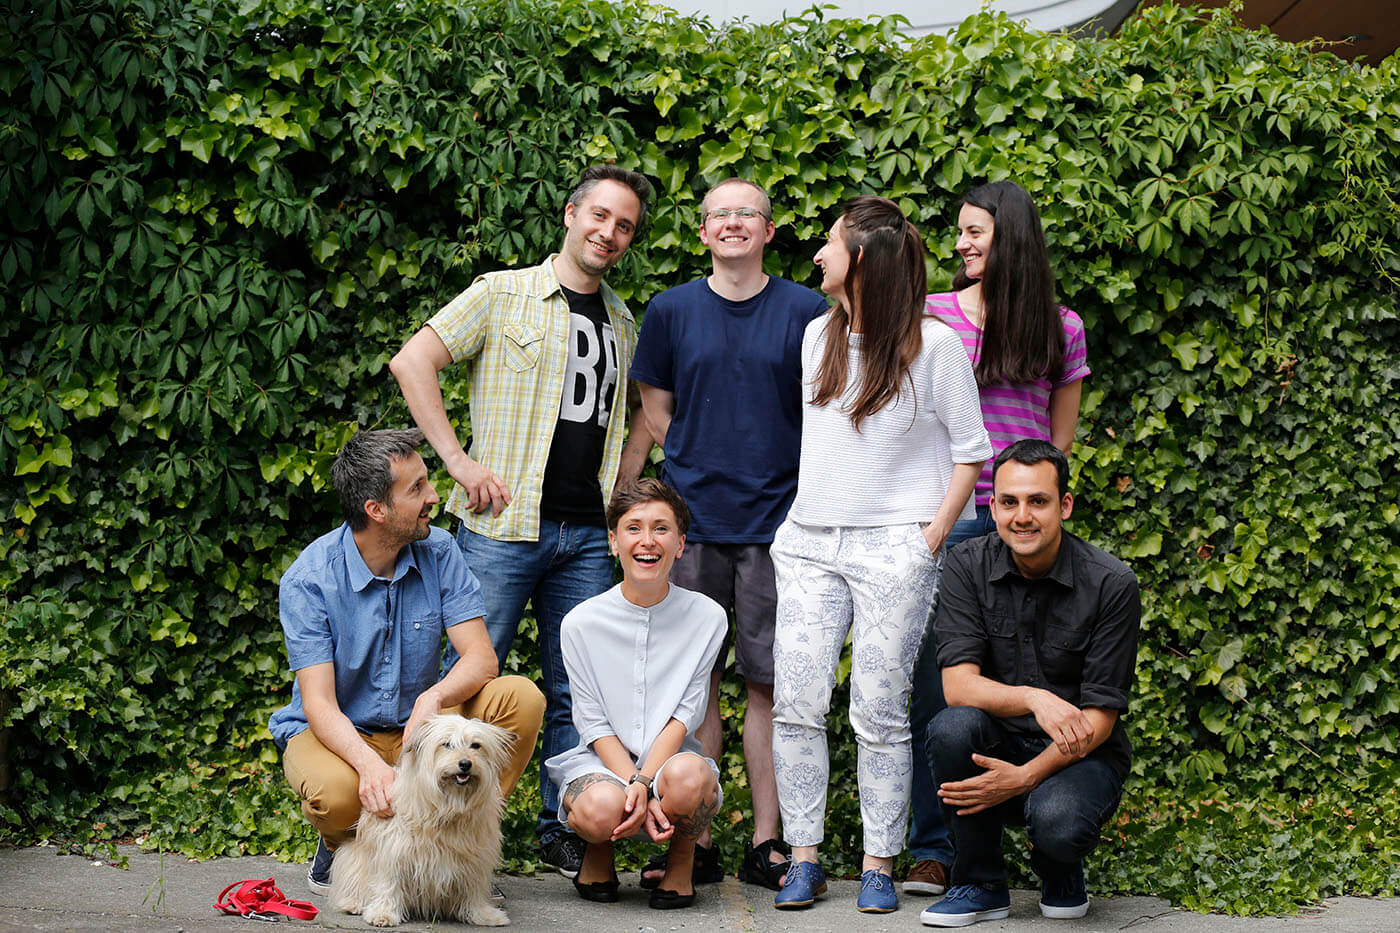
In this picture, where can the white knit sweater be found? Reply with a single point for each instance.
(897, 468)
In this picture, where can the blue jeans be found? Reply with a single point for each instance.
(928, 837)
(1062, 814)
(568, 564)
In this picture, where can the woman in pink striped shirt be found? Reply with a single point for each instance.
(1028, 356)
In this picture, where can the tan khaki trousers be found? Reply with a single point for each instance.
(330, 789)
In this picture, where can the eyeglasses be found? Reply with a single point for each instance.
(743, 213)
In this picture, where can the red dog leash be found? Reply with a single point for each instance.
(262, 900)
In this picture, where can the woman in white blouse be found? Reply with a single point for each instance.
(639, 659)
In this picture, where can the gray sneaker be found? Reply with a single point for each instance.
(318, 876)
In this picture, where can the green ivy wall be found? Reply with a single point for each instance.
(222, 219)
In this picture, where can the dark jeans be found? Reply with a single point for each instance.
(568, 564)
(1062, 815)
(928, 837)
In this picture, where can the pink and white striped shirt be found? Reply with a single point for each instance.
(1012, 412)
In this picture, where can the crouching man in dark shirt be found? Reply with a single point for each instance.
(1037, 638)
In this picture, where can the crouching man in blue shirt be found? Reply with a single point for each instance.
(364, 609)
(1037, 637)
(639, 659)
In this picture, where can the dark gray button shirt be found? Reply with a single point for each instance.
(1073, 631)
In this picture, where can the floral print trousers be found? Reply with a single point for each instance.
(876, 583)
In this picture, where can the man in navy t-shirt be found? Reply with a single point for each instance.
(718, 363)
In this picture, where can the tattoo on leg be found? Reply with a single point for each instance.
(581, 784)
(691, 825)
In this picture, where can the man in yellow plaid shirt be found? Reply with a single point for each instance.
(546, 350)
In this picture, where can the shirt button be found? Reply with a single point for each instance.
(1026, 639)
(415, 625)
(386, 696)
(386, 659)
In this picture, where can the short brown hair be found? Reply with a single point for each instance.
(629, 495)
(364, 469)
(635, 182)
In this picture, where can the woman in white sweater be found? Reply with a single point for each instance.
(892, 445)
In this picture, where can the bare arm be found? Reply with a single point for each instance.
(658, 406)
(963, 482)
(666, 745)
(416, 368)
(336, 732)
(1064, 414)
(1002, 780)
(615, 757)
(639, 439)
(476, 664)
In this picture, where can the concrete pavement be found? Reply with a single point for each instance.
(43, 890)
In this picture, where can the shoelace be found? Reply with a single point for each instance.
(877, 880)
(963, 892)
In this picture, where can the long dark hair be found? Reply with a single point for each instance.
(1022, 337)
(886, 280)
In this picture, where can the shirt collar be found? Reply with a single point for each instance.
(360, 575)
(547, 284)
(1062, 571)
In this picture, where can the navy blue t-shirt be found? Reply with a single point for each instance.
(735, 369)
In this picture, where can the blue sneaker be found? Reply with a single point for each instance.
(318, 876)
(804, 883)
(876, 893)
(965, 904)
(1062, 896)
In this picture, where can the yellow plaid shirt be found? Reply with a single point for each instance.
(511, 330)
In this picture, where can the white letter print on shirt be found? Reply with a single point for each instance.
(583, 398)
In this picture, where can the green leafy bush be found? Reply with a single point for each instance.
(222, 219)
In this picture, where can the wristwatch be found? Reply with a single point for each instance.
(640, 778)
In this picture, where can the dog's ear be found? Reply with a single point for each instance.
(425, 732)
(498, 744)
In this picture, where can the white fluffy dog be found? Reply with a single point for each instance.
(434, 857)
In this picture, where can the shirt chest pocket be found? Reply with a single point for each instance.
(522, 345)
(1062, 652)
(1003, 633)
(422, 640)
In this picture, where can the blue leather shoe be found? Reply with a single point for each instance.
(966, 904)
(805, 882)
(876, 893)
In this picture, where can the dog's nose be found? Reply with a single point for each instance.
(464, 766)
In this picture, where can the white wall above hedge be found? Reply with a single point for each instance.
(924, 15)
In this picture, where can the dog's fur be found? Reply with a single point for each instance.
(434, 857)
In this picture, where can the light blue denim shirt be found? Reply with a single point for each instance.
(384, 637)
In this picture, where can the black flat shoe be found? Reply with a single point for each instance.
(599, 892)
(666, 899)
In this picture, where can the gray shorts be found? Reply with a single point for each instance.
(740, 578)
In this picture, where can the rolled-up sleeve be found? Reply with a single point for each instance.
(306, 624)
(1112, 654)
(459, 588)
(691, 709)
(461, 324)
(958, 629)
(590, 716)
